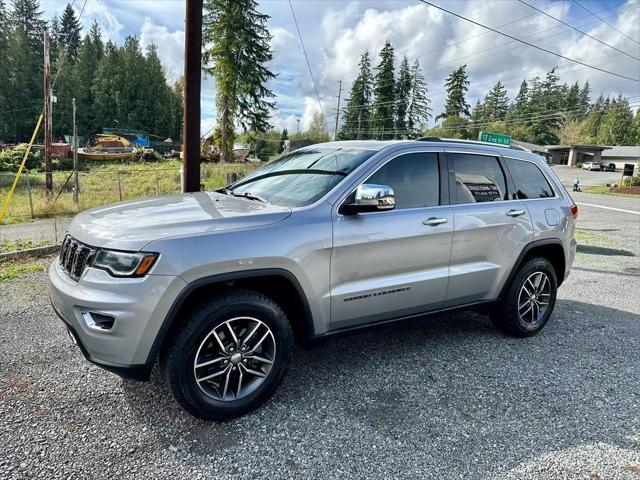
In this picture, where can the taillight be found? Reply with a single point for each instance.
(574, 210)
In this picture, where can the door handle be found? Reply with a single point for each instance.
(434, 221)
(515, 213)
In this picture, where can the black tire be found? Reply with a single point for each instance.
(178, 359)
(507, 317)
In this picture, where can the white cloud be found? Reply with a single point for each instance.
(170, 46)
(99, 11)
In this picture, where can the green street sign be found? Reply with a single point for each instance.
(498, 138)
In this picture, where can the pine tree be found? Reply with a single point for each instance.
(356, 116)
(69, 38)
(402, 94)
(178, 102)
(520, 108)
(478, 119)
(496, 104)
(25, 57)
(584, 100)
(384, 94)
(90, 55)
(456, 85)
(106, 87)
(239, 53)
(546, 103)
(616, 127)
(418, 110)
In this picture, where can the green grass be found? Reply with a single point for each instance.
(604, 190)
(14, 269)
(589, 237)
(7, 246)
(104, 183)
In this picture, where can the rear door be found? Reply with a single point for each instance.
(491, 227)
(394, 263)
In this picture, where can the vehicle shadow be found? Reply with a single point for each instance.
(439, 390)
(594, 250)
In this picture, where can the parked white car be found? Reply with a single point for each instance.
(591, 166)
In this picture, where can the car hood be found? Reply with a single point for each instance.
(132, 225)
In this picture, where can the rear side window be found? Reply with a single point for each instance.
(414, 179)
(530, 181)
(479, 178)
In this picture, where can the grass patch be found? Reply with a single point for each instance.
(604, 190)
(7, 246)
(15, 269)
(105, 183)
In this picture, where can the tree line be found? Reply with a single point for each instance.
(114, 86)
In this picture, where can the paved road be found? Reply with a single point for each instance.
(587, 178)
(36, 231)
(448, 397)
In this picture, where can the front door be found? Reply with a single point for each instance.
(394, 263)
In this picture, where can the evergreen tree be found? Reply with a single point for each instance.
(402, 95)
(178, 102)
(418, 110)
(4, 71)
(546, 103)
(634, 131)
(239, 52)
(571, 101)
(496, 104)
(25, 57)
(106, 87)
(616, 127)
(69, 37)
(520, 108)
(384, 94)
(584, 100)
(478, 120)
(356, 117)
(90, 55)
(456, 85)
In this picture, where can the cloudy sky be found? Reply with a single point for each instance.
(336, 32)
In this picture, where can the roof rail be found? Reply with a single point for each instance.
(475, 142)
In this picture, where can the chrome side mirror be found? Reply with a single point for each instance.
(372, 198)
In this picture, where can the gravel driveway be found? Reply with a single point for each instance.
(447, 397)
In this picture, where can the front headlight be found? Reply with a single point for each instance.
(124, 264)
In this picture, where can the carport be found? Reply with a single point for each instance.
(574, 153)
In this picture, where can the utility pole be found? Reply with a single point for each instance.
(298, 124)
(47, 117)
(192, 89)
(75, 156)
(335, 132)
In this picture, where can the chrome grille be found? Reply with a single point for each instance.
(75, 256)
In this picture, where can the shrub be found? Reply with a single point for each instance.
(11, 159)
(631, 181)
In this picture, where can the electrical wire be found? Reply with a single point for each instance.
(577, 30)
(605, 22)
(304, 50)
(528, 43)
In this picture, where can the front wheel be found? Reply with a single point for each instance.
(528, 303)
(229, 355)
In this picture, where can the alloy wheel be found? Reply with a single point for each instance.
(534, 298)
(234, 358)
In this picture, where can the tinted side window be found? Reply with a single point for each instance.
(414, 179)
(529, 180)
(479, 178)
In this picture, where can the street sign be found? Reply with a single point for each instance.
(497, 138)
(628, 170)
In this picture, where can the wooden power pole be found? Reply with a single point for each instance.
(47, 117)
(192, 88)
(335, 132)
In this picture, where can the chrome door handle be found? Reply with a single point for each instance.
(434, 221)
(515, 213)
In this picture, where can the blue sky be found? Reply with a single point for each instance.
(337, 32)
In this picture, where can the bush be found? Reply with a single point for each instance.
(59, 164)
(11, 159)
(631, 181)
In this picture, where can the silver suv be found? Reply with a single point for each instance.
(217, 286)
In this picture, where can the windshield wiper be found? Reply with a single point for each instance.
(247, 195)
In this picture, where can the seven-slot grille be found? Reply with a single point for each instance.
(75, 256)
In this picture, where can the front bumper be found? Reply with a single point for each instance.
(138, 305)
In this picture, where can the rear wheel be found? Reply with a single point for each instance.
(229, 356)
(529, 301)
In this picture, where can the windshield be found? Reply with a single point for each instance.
(301, 177)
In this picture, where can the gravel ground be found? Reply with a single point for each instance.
(447, 397)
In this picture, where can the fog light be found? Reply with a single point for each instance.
(98, 321)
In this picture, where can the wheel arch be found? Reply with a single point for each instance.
(549, 248)
(279, 284)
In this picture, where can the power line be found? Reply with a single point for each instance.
(529, 44)
(577, 30)
(605, 22)
(304, 50)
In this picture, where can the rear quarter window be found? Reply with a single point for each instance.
(529, 180)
